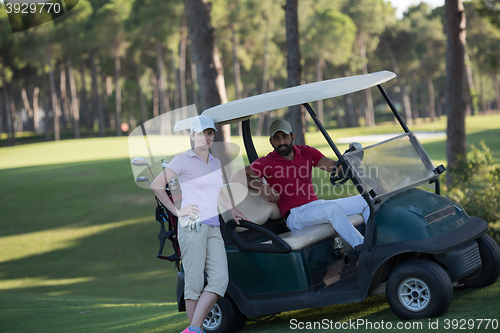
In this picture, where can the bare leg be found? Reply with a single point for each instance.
(190, 309)
(205, 304)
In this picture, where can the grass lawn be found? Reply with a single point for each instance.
(83, 314)
(78, 241)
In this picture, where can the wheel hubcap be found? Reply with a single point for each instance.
(414, 294)
(213, 319)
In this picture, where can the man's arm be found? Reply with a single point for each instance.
(249, 178)
(326, 164)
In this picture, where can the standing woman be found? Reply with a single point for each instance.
(202, 246)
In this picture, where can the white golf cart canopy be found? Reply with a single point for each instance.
(244, 108)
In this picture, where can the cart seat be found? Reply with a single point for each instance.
(299, 239)
(250, 203)
(259, 210)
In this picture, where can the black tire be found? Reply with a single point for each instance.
(224, 317)
(419, 289)
(490, 269)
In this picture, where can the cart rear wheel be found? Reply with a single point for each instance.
(490, 269)
(225, 317)
(419, 289)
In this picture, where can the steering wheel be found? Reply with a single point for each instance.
(339, 178)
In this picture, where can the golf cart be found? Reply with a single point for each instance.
(417, 242)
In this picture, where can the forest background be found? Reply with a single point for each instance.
(76, 234)
(107, 66)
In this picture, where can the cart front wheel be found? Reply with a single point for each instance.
(419, 289)
(490, 269)
(224, 317)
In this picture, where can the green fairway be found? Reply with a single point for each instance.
(45, 313)
(78, 240)
(83, 314)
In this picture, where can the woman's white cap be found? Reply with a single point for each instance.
(201, 123)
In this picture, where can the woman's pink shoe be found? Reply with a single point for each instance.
(187, 330)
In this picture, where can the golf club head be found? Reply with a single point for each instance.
(140, 161)
(142, 179)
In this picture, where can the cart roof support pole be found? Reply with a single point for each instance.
(247, 140)
(393, 109)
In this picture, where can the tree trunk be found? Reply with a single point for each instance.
(46, 106)
(369, 112)
(424, 108)
(11, 137)
(337, 113)
(319, 65)
(118, 95)
(55, 104)
(414, 97)
(439, 104)
(294, 69)
(27, 106)
(432, 98)
(349, 110)
(405, 99)
(156, 98)
(162, 83)
(107, 83)
(97, 104)
(237, 73)
(497, 90)
(194, 79)
(142, 101)
(5, 127)
(27, 94)
(206, 57)
(470, 92)
(75, 112)
(265, 83)
(484, 107)
(36, 111)
(87, 116)
(182, 64)
(66, 113)
(236, 63)
(13, 112)
(267, 116)
(162, 89)
(176, 116)
(455, 75)
(182, 68)
(177, 95)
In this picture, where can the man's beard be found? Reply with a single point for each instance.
(286, 151)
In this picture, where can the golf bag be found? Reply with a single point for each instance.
(164, 215)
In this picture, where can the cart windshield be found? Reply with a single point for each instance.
(391, 166)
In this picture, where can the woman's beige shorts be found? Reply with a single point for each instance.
(202, 251)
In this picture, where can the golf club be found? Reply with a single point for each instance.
(142, 179)
(141, 161)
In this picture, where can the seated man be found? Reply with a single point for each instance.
(287, 171)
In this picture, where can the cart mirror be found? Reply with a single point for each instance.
(440, 169)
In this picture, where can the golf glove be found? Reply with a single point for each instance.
(355, 145)
(194, 223)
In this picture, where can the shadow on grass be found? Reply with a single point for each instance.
(81, 228)
(119, 262)
(85, 193)
(375, 315)
(86, 314)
